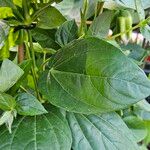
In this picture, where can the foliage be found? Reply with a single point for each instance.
(66, 83)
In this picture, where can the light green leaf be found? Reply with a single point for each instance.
(92, 76)
(137, 126)
(140, 9)
(4, 31)
(101, 25)
(67, 32)
(142, 109)
(7, 102)
(100, 132)
(146, 32)
(9, 75)
(50, 18)
(44, 132)
(29, 105)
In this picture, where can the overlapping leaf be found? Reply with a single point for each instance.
(100, 132)
(92, 76)
(45, 132)
(9, 74)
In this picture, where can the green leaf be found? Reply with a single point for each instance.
(147, 139)
(50, 18)
(92, 76)
(4, 31)
(9, 75)
(137, 126)
(6, 3)
(67, 32)
(26, 67)
(44, 132)
(140, 9)
(29, 105)
(95, 132)
(134, 51)
(142, 109)
(146, 32)
(45, 38)
(7, 102)
(5, 12)
(101, 25)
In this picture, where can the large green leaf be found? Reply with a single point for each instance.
(45, 132)
(101, 25)
(7, 102)
(137, 126)
(67, 32)
(9, 74)
(92, 76)
(29, 105)
(50, 18)
(100, 132)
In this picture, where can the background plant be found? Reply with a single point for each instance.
(65, 83)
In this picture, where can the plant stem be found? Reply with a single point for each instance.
(20, 53)
(99, 9)
(82, 27)
(33, 64)
(141, 24)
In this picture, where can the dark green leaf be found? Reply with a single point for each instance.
(67, 32)
(100, 132)
(9, 75)
(44, 132)
(92, 76)
(29, 105)
(101, 25)
(137, 127)
(45, 38)
(50, 18)
(7, 102)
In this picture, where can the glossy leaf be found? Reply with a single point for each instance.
(9, 75)
(101, 25)
(50, 18)
(29, 105)
(45, 132)
(92, 76)
(137, 126)
(67, 32)
(7, 102)
(100, 132)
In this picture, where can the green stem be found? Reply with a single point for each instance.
(82, 27)
(99, 9)
(44, 58)
(141, 24)
(33, 64)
